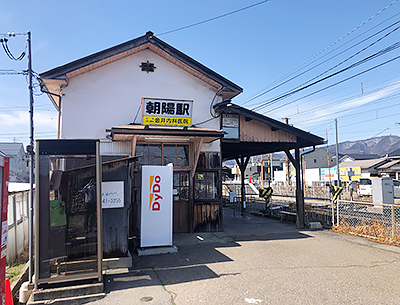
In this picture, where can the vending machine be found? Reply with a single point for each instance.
(4, 179)
(156, 206)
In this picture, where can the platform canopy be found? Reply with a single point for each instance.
(258, 134)
(248, 133)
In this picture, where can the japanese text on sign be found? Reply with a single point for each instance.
(167, 112)
(112, 194)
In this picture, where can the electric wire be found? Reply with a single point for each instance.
(214, 18)
(340, 63)
(380, 53)
(257, 94)
(8, 51)
(347, 99)
(352, 108)
(331, 45)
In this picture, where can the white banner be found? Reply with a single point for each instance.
(156, 206)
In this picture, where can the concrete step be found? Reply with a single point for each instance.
(76, 300)
(66, 292)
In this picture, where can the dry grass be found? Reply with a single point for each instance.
(14, 269)
(376, 231)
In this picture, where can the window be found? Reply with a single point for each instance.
(206, 185)
(163, 154)
(181, 186)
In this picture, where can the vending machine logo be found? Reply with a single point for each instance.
(155, 193)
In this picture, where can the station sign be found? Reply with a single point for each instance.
(167, 112)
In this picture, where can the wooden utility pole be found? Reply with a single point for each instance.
(287, 161)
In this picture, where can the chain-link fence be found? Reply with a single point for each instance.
(376, 221)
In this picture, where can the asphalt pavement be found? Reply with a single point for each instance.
(258, 260)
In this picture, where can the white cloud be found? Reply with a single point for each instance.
(15, 126)
(21, 118)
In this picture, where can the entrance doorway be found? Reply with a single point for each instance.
(181, 202)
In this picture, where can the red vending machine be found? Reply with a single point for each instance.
(4, 177)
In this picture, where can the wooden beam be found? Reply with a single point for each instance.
(289, 155)
(134, 141)
(197, 148)
(242, 162)
(300, 209)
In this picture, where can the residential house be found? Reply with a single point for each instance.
(19, 162)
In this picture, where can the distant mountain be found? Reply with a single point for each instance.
(378, 145)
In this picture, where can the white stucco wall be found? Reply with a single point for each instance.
(111, 95)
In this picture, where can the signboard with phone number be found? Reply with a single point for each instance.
(112, 194)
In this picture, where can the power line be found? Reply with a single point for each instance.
(336, 102)
(257, 94)
(355, 107)
(214, 18)
(331, 45)
(335, 66)
(11, 72)
(366, 59)
(345, 97)
(4, 43)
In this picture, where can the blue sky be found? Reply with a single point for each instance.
(253, 48)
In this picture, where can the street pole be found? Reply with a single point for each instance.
(31, 154)
(338, 173)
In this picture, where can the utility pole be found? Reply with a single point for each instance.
(30, 147)
(31, 154)
(338, 173)
(337, 153)
(262, 172)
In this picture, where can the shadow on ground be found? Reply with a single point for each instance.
(197, 250)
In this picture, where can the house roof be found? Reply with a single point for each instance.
(58, 77)
(364, 164)
(362, 156)
(389, 164)
(230, 150)
(11, 149)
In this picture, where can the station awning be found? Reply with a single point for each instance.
(164, 134)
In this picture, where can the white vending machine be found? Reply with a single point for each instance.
(156, 206)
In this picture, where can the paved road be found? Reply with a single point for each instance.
(261, 261)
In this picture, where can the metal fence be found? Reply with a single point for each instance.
(372, 220)
(17, 218)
